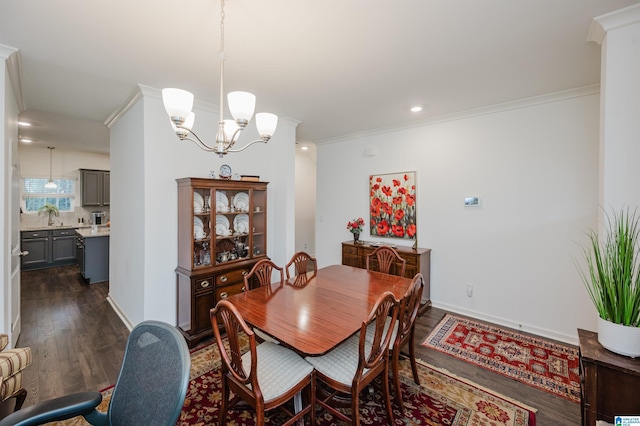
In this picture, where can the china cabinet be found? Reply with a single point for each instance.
(222, 233)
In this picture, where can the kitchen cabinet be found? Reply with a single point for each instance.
(93, 255)
(418, 260)
(96, 187)
(48, 248)
(222, 233)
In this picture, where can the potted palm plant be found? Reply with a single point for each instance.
(51, 210)
(612, 279)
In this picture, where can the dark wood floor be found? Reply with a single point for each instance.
(78, 343)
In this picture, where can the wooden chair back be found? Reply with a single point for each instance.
(300, 262)
(262, 273)
(386, 257)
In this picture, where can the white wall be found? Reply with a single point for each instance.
(305, 184)
(535, 169)
(146, 159)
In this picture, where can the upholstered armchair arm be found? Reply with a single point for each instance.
(66, 407)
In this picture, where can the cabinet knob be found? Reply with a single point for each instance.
(223, 279)
(204, 284)
(23, 253)
(245, 272)
(224, 295)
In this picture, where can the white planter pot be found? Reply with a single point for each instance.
(619, 338)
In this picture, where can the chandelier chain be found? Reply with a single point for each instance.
(221, 53)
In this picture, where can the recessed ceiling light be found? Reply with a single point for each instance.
(24, 123)
(416, 108)
(26, 140)
(304, 148)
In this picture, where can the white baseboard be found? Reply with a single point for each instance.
(121, 314)
(542, 332)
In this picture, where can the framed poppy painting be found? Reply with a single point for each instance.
(392, 205)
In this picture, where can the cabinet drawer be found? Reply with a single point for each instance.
(231, 277)
(229, 290)
(349, 250)
(34, 234)
(64, 232)
(411, 260)
(203, 284)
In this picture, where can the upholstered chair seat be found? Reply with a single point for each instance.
(12, 363)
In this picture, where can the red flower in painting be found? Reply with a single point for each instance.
(411, 230)
(492, 411)
(396, 182)
(376, 202)
(375, 211)
(386, 208)
(383, 227)
(402, 190)
(411, 199)
(399, 214)
(375, 187)
(397, 200)
(406, 177)
(378, 179)
(386, 190)
(397, 230)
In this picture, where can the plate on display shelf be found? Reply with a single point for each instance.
(198, 203)
(241, 201)
(198, 228)
(241, 223)
(222, 202)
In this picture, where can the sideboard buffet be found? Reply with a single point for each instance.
(610, 383)
(418, 260)
(222, 233)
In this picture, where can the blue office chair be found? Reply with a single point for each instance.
(150, 390)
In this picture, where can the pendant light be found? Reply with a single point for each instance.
(51, 184)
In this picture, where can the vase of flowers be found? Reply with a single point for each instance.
(355, 227)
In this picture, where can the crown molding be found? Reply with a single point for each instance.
(492, 109)
(13, 60)
(129, 102)
(602, 24)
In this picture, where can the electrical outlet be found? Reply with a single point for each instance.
(469, 290)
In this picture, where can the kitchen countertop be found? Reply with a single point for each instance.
(103, 231)
(82, 229)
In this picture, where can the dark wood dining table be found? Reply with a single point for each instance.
(316, 312)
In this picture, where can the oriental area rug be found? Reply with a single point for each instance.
(546, 365)
(441, 399)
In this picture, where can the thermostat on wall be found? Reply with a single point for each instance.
(471, 201)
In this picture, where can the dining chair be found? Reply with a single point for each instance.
(403, 333)
(300, 262)
(262, 272)
(266, 377)
(386, 257)
(346, 370)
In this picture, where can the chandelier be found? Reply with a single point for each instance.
(178, 103)
(51, 184)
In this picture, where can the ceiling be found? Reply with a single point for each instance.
(340, 67)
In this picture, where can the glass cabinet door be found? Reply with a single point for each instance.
(201, 227)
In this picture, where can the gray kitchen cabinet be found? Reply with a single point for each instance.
(96, 187)
(48, 248)
(93, 256)
(37, 244)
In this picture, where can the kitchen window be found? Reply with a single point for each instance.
(35, 195)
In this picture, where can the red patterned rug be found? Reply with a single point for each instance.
(442, 399)
(546, 365)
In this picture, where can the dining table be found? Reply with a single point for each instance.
(312, 313)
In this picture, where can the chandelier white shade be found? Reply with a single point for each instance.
(179, 104)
